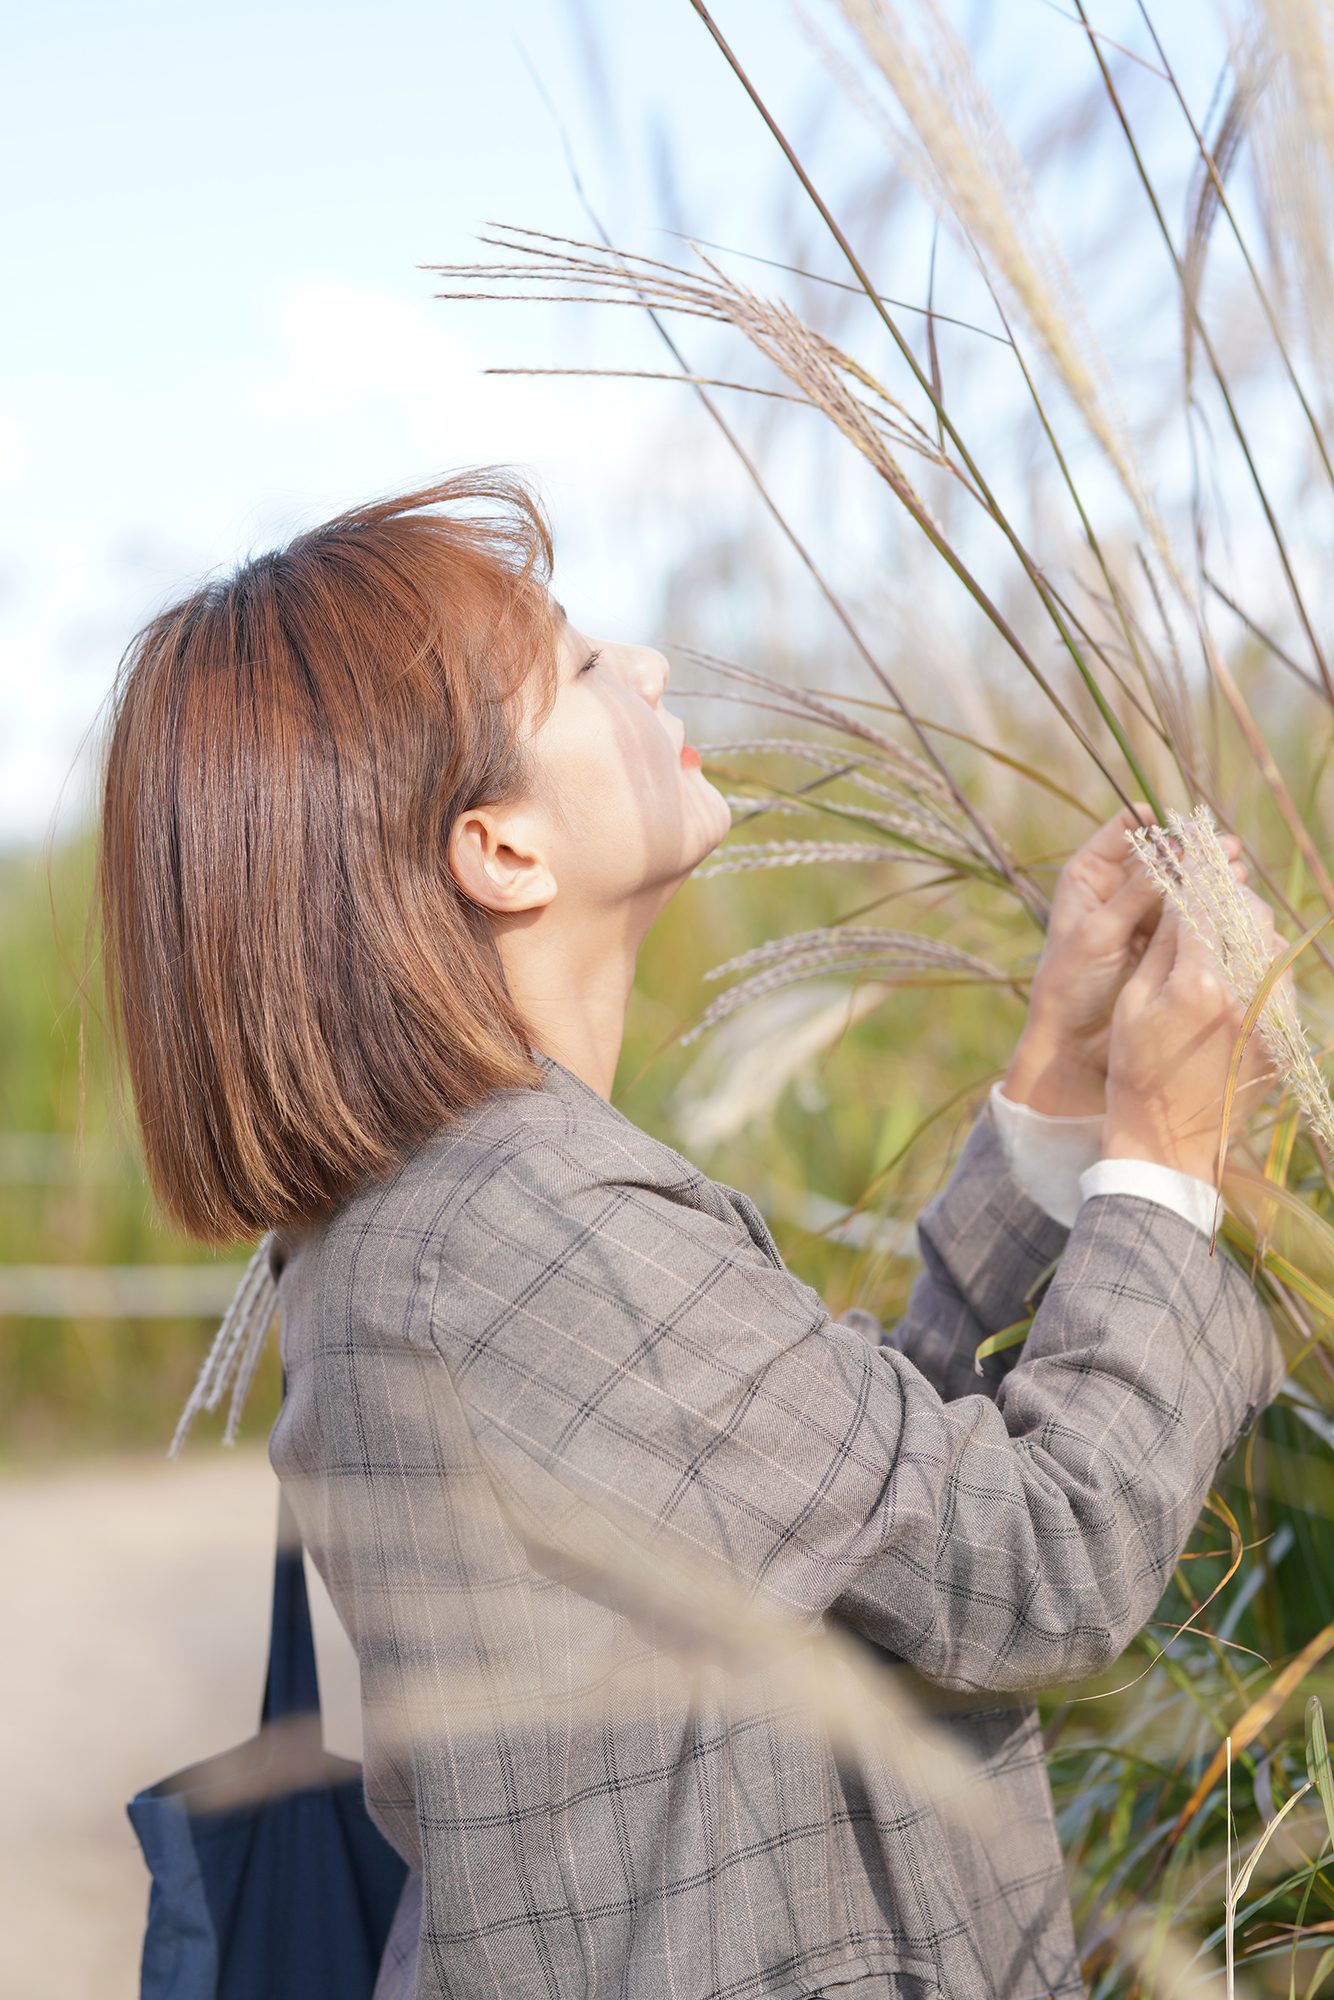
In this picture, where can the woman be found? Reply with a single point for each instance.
(604, 1499)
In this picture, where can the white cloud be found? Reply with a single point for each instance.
(376, 362)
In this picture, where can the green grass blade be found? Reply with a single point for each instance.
(1317, 1758)
(1009, 1336)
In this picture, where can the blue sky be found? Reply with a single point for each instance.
(216, 329)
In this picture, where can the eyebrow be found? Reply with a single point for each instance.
(560, 611)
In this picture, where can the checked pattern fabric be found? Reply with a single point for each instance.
(697, 1630)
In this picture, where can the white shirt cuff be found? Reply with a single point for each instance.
(1056, 1162)
(1193, 1200)
(1047, 1155)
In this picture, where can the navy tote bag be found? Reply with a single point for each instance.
(270, 1880)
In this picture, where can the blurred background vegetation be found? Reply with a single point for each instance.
(73, 1198)
(806, 1135)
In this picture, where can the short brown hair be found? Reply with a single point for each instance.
(299, 988)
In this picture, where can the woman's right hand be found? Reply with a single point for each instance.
(1173, 1033)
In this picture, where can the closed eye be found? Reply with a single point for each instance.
(591, 661)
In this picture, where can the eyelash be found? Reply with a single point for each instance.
(591, 661)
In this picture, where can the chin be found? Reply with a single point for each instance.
(711, 836)
(695, 851)
(707, 822)
(719, 822)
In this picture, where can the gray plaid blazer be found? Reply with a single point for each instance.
(622, 1524)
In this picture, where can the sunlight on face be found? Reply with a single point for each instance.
(632, 808)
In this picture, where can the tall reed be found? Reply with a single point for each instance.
(1170, 673)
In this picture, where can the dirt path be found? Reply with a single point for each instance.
(133, 1633)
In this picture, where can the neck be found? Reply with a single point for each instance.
(570, 977)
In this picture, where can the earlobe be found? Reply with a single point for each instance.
(495, 867)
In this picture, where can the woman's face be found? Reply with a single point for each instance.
(628, 805)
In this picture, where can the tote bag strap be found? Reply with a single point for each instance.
(292, 1685)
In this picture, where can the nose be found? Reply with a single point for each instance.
(645, 670)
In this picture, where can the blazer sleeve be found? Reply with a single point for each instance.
(631, 1363)
(984, 1245)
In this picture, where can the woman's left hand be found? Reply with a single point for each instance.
(1103, 915)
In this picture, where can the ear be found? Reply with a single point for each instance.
(496, 861)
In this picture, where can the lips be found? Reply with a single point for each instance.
(690, 759)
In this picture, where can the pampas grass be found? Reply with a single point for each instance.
(1188, 864)
(1114, 621)
(886, 956)
(825, 378)
(954, 145)
(795, 854)
(1294, 134)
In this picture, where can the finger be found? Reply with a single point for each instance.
(1109, 842)
(1198, 982)
(1196, 966)
(1098, 870)
(1156, 967)
(1132, 903)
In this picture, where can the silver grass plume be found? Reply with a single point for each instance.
(794, 854)
(915, 844)
(963, 159)
(235, 1353)
(908, 772)
(1288, 59)
(926, 835)
(825, 377)
(839, 765)
(951, 142)
(804, 704)
(742, 808)
(913, 776)
(1188, 864)
(886, 954)
(922, 825)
